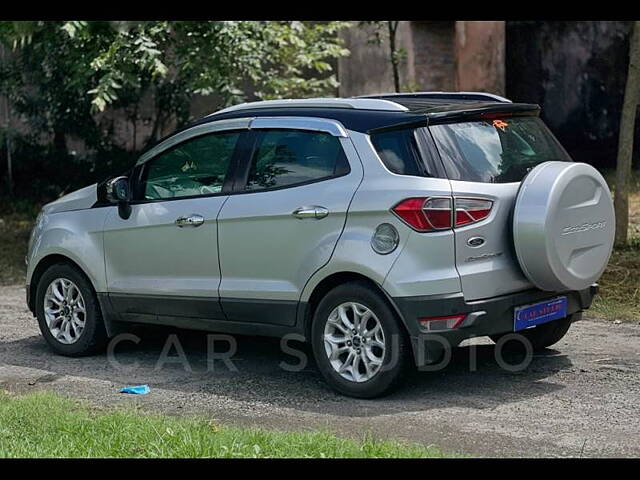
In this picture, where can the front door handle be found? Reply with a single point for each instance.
(193, 220)
(315, 211)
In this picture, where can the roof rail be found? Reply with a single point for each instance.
(443, 95)
(355, 103)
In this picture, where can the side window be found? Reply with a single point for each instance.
(196, 167)
(399, 152)
(289, 157)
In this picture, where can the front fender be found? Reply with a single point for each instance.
(77, 235)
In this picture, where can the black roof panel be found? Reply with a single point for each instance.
(420, 112)
(358, 120)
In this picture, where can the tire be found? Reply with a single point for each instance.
(385, 374)
(542, 336)
(93, 336)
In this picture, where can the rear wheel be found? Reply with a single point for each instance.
(68, 313)
(542, 336)
(358, 343)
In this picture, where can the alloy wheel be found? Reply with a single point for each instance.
(64, 310)
(354, 342)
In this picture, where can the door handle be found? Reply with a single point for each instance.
(193, 220)
(316, 212)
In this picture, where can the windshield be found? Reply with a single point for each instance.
(499, 150)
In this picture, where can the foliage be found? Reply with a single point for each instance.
(66, 79)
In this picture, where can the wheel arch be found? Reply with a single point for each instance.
(333, 280)
(42, 267)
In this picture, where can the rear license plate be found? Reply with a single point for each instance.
(542, 312)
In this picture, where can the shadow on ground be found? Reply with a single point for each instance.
(260, 377)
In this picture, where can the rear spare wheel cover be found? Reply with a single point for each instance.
(563, 225)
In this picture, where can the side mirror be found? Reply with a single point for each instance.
(118, 190)
(118, 193)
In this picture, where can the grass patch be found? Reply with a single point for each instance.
(619, 297)
(44, 424)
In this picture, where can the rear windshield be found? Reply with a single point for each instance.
(499, 150)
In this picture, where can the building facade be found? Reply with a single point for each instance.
(435, 55)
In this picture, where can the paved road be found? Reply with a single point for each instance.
(580, 398)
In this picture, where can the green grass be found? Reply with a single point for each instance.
(48, 425)
(619, 297)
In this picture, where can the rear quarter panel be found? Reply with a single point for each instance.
(422, 264)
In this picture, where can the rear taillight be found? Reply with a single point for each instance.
(471, 210)
(427, 214)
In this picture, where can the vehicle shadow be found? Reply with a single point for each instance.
(179, 360)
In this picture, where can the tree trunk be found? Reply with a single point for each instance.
(7, 128)
(625, 139)
(59, 142)
(393, 27)
(9, 164)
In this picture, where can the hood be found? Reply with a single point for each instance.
(78, 200)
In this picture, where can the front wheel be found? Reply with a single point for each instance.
(68, 313)
(358, 343)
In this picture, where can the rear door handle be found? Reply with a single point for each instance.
(315, 211)
(193, 220)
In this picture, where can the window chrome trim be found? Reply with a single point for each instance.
(198, 130)
(314, 124)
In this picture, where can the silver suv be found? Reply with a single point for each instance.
(383, 229)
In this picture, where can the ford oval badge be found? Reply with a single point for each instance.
(475, 242)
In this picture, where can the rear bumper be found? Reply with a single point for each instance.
(490, 316)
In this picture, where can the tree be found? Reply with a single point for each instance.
(625, 139)
(396, 55)
(6, 110)
(63, 74)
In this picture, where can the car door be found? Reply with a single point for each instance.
(162, 261)
(286, 213)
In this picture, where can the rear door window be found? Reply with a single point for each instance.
(499, 150)
(292, 157)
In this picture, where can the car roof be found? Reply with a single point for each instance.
(379, 112)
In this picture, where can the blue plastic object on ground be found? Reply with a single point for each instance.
(138, 390)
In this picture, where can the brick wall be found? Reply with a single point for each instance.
(435, 59)
(439, 55)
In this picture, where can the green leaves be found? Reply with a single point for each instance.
(72, 27)
(278, 58)
(62, 74)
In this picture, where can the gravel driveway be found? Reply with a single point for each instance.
(580, 398)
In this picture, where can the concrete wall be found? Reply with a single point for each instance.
(480, 56)
(435, 55)
(576, 71)
(367, 69)
(440, 55)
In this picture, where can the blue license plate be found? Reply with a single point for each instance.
(542, 312)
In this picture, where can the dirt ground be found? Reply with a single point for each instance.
(580, 398)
